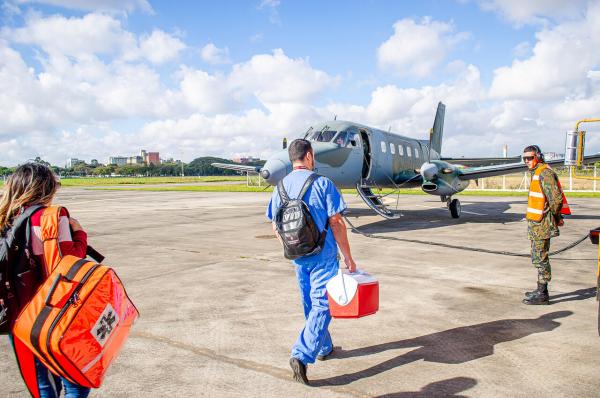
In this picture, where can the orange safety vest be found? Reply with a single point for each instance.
(536, 205)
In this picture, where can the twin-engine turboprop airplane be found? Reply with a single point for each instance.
(361, 157)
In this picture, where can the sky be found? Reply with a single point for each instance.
(90, 79)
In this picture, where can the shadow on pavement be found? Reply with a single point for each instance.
(453, 346)
(581, 294)
(444, 388)
(437, 217)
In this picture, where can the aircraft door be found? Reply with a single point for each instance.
(366, 154)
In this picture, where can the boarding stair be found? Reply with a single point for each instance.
(375, 202)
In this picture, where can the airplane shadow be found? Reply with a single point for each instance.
(443, 388)
(581, 294)
(436, 215)
(453, 346)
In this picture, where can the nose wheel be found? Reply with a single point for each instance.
(454, 207)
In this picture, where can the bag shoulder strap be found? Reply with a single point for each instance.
(282, 193)
(309, 181)
(49, 231)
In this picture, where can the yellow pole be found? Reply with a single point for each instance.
(580, 144)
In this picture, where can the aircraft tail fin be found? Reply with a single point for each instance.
(436, 133)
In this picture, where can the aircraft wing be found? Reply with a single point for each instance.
(476, 162)
(237, 167)
(471, 173)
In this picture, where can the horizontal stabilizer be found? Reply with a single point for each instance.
(237, 167)
(471, 173)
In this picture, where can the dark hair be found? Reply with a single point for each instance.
(298, 149)
(532, 148)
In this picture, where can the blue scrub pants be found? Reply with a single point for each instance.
(314, 338)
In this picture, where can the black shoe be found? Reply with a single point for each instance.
(324, 357)
(539, 297)
(299, 370)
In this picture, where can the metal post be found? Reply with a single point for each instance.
(483, 183)
(505, 155)
(595, 177)
(570, 178)
(247, 179)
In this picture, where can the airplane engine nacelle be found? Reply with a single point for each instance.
(441, 178)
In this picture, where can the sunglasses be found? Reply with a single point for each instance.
(528, 158)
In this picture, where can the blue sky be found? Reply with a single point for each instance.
(91, 79)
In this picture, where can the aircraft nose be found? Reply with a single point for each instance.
(429, 171)
(273, 171)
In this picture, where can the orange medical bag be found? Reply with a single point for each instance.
(78, 320)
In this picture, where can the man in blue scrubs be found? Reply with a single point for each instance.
(313, 272)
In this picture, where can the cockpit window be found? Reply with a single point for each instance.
(341, 139)
(324, 135)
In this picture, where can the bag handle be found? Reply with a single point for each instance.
(53, 289)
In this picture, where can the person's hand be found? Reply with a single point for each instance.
(560, 222)
(350, 264)
(75, 226)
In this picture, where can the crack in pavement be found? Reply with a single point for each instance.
(268, 370)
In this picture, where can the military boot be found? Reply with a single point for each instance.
(539, 297)
(529, 294)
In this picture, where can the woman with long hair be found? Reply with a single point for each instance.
(36, 184)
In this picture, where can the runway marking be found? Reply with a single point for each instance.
(269, 370)
(463, 211)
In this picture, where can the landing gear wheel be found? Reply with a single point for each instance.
(454, 206)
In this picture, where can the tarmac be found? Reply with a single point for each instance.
(220, 306)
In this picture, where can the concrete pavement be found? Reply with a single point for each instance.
(220, 307)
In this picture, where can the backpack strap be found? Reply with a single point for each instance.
(49, 231)
(282, 193)
(309, 181)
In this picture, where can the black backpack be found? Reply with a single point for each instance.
(20, 276)
(296, 226)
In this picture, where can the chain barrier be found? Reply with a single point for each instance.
(473, 249)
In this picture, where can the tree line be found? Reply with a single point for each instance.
(198, 167)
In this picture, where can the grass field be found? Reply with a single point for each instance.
(490, 185)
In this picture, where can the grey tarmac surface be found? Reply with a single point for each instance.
(220, 307)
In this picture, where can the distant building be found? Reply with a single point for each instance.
(153, 158)
(135, 160)
(553, 155)
(117, 160)
(245, 159)
(72, 162)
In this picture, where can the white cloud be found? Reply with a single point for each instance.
(417, 48)
(160, 47)
(96, 5)
(276, 78)
(215, 55)
(534, 11)
(77, 37)
(558, 67)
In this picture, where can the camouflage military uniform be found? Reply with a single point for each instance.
(540, 232)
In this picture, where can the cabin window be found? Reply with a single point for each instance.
(383, 147)
(400, 150)
(417, 153)
(408, 151)
(392, 148)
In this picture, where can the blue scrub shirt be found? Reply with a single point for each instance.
(323, 200)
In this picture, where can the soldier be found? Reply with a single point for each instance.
(545, 208)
